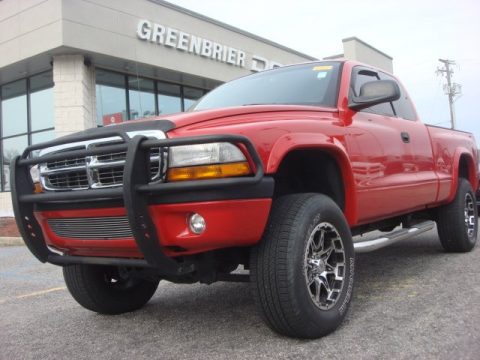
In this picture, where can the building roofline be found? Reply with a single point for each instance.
(332, 57)
(367, 45)
(229, 27)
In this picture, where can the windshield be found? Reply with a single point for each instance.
(312, 84)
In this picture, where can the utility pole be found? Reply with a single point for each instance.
(451, 89)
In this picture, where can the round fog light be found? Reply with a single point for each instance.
(197, 223)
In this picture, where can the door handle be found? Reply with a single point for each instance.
(405, 137)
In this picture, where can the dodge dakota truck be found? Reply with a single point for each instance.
(267, 179)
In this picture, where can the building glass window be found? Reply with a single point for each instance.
(26, 117)
(41, 101)
(43, 136)
(141, 95)
(12, 147)
(190, 96)
(169, 98)
(111, 97)
(14, 108)
(122, 97)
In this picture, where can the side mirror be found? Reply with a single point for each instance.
(374, 93)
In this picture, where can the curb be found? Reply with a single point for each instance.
(11, 241)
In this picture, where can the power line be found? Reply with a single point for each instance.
(451, 88)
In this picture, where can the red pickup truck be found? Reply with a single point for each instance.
(275, 171)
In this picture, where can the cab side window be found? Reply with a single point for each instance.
(403, 107)
(361, 77)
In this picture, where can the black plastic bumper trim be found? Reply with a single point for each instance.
(116, 193)
(65, 260)
(263, 189)
(28, 226)
(62, 260)
(141, 224)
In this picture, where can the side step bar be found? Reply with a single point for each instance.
(394, 236)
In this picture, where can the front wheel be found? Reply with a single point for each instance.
(302, 271)
(457, 223)
(108, 289)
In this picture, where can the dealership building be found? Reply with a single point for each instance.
(69, 65)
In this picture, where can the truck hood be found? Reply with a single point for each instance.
(215, 117)
(195, 117)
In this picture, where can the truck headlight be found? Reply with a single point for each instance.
(35, 175)
(206, 161)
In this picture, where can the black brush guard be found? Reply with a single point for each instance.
(134, 192)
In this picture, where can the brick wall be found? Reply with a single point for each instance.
(6, 209)
(8, 227)
(74, 94)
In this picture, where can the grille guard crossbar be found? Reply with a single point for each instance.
(134, 192)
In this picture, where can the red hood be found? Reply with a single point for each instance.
(194, 117)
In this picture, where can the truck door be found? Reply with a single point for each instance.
(419, 148)
(389, 156)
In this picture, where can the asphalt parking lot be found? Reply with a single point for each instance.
(412, 300)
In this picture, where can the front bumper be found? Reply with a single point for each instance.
(230, 223)
(236, 208)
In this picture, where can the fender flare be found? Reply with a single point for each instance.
(308, 141)
(472, 172)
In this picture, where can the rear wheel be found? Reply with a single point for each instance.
(108, 289)
(302, 270)
(458, 221)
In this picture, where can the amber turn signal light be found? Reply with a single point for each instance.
(208, 171)
(37, 188)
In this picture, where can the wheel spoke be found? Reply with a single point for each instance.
(325, 284)
(325, 253)
(318, 245)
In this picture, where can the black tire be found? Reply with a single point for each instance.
(107, 289)
(457, 223)
(279, 270)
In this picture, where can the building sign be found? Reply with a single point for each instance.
(189, 43)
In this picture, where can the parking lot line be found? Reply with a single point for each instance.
(41, 292)
(36, 293)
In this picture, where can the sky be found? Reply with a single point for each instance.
(415, 33)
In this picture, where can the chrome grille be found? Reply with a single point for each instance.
(122, 155)
(91, 228)
(60, 164)
(69, 180)
(110, 176)
(112, 157)
(98, 171)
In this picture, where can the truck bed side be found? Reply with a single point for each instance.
(454, 154)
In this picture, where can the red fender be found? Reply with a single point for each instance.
(332, 146)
